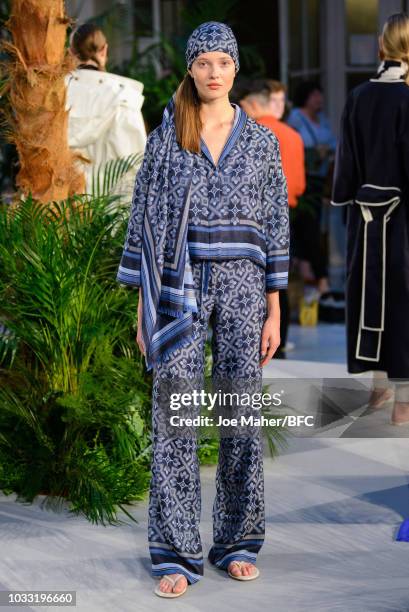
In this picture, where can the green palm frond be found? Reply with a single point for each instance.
(8, 346)
(74, 396)
(106, 177)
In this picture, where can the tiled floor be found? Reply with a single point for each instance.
(323, 343)
(333, 505)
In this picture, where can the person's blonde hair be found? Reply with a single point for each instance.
(187, 115)
(395, 39)
(86, 41)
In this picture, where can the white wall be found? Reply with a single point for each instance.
(333, 59)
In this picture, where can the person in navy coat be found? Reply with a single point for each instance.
(372, 181)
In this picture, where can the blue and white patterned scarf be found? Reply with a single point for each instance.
(212, 36)
(168, 296)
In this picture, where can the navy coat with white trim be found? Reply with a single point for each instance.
(372, 179)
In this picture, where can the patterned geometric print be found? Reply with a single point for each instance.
(239, 208)
(246, 198)
(212, 36)
(247, 190)
(231, 296)
(174, 178)
(159, 250)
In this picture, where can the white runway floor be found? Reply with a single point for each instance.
(333, 506)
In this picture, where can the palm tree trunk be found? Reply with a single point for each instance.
(37, 92)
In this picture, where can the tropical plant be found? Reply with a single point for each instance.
(8, 153)
(75, 398)
(159, 86)
(107, 177)
(74, 395)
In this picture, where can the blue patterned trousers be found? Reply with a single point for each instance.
(231, 297)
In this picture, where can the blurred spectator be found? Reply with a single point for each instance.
(264, 101)
(105, 119)
(308, 119)
(319, 141)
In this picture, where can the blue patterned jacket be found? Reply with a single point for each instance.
(238, 208)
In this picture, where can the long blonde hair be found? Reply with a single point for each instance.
(187, 115)
(395, 39)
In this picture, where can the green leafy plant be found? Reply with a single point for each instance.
(105, 177)
(208, 451)
(74, 394)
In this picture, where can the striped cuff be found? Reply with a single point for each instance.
(277, 272)
(238, 555)
(129, 270)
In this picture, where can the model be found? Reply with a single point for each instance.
(105, 121)
(207, 242)
(372, 179)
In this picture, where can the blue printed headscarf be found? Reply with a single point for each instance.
(212, 36)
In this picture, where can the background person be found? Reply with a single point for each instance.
(105, 120)
(265, 101)
(372, 181)
(319, 141)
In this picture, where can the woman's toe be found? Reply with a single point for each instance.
(235, 569)
(165, 586)
(180, 585)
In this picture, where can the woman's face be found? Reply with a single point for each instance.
(213, 74)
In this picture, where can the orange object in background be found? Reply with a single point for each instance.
(292, 156)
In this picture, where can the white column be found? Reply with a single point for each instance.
(333, 59)
(125, 33)
(156, 18)
(283, 33)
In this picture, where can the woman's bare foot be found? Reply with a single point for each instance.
(166, 587)
(379, 397)
(246, 569)
(400, 414)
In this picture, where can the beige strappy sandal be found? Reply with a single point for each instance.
(249, 577)
(172, 581)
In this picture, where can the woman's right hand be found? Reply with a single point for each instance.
(139, 339)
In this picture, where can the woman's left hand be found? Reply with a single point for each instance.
(270, 339)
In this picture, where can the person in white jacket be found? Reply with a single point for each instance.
(105, 120)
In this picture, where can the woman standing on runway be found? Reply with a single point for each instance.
(372, 179)
(207, 241)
